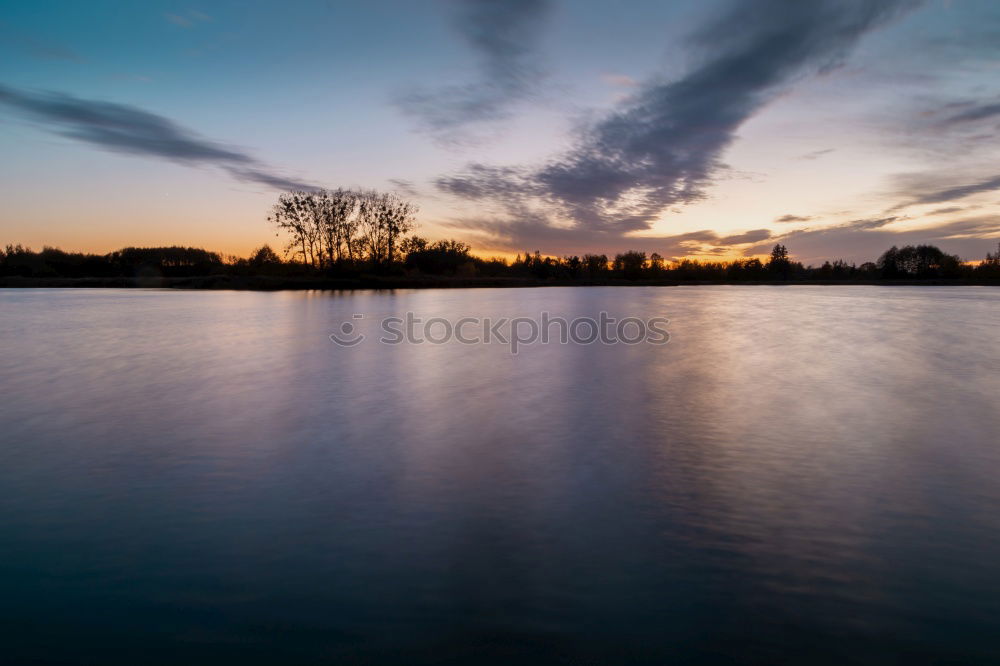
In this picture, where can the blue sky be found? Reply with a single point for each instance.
(706, 129)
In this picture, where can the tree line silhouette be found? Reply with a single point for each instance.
(415, 257)
(347, 233)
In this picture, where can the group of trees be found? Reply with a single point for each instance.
(919, 261)
(16, 260)
(328, 228)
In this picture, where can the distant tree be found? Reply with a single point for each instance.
(921, 261)
(443, 257)
(842, 269)
(993, 259)
(990, 266)
(492, 267)
(595, 265)
(264, 256)
(540, 267)
(412, 244)
(779, 264)
(746, 269)
(338, 224)
(169, 261)
(398, 216)
(383, 218)
(888, 263)
(20, 260)
(298, 214)
(573, 266)
(655, 265)
(630, 264)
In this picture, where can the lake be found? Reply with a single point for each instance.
(803, 474)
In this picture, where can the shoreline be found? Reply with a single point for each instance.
(266, 283)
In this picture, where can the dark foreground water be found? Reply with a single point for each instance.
(802, 475)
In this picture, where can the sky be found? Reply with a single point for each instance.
(710, 129)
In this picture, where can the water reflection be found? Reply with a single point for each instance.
(801, 474)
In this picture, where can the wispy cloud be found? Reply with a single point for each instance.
(404, 186)
(663, 146)
(921, 192)
(188, 19)
(946, 210)
(974, 113)
(38, 48)
(793, 218)
(504, 35)
(127, 129)
(619, 80)
(816, 154)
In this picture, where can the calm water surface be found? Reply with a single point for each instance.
(802, 475)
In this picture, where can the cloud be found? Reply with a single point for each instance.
(946, 210)
(404, 186)
(272, 180)
(127, 129)
(188, 19)
(873, 223)
(975, 113)
(793, 218)
(53, 52)
(816, 154)
(663, 146)
(479, 181)
(619, 80)
(754, 236)
(529, 232)
(504, 35)
(38, 48)
(918, 195)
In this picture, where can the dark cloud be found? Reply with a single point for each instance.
(479, 181)
(504, 35)
(663, 147)
(127, 129)
(754, 236)
(793, 218)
